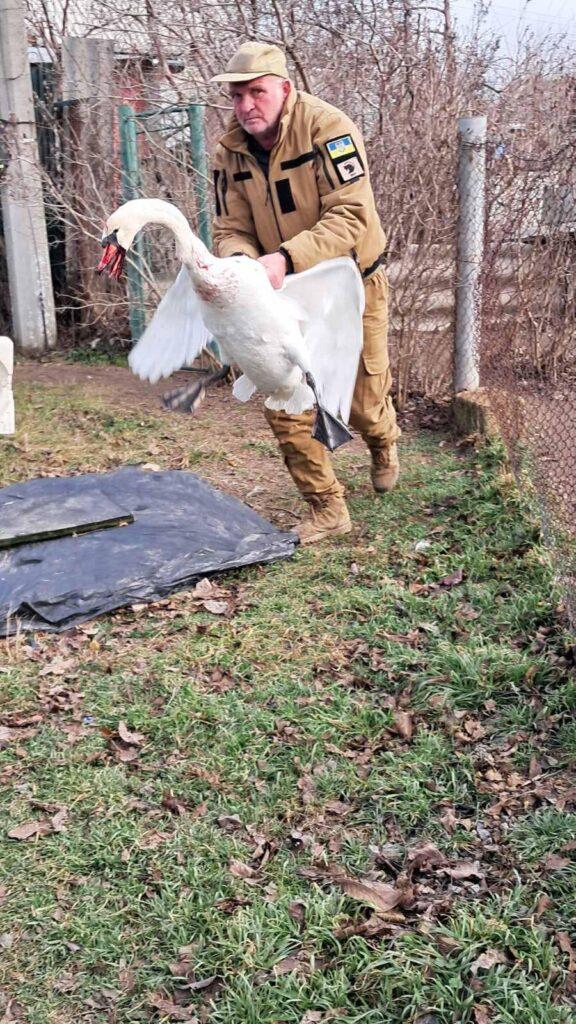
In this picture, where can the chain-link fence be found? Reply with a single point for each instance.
(516, 316)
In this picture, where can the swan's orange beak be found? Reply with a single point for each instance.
(113, 257)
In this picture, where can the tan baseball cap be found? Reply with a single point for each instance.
(252, 60)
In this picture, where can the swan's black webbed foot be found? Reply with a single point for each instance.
(190, 397)
(327, 429)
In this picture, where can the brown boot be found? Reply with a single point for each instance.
(329, 517)
(385, 468)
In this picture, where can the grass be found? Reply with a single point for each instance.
(276, 731)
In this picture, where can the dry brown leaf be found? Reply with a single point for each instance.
(424, 857)
(58, 667)
(403, 724)
(379, 895)
(300, 963)
(58, 820)
(216, 607)
(205, 589)
(368, 929)
(552, 862)
(229, 822)
(133, 739)
(564, 943)
(465, 869)
(29, 829)
(297, 911)
(487, 960)
(482, 1014)
(241, 870)
(124, 754)
(447, 944)
(338, 808)
(172, 804)
(171, 1010)
(453, 579)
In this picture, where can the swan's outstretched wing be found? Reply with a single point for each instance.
(331, 296)
(175, 335)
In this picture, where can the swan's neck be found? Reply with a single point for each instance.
(191, 249)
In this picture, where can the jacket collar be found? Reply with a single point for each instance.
(236, 139)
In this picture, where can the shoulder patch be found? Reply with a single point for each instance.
(340, 147)
(345, 158)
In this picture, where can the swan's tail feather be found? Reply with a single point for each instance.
(243, 388)
(302, 398)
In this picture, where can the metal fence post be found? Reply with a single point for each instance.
(131, 190)
(471, 193)
(200, 168)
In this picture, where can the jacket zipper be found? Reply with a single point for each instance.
(269, 195)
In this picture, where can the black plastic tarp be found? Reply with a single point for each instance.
(183, 529)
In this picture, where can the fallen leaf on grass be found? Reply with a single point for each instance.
(229, 822)
(552, 862)
(229, 905)
(29, 829)
(171, 1010)
(447, 944)
(297, 911)
(299, 963)
(216, 607)
(487, 960)
(134, 739)
(58, 667)
(338, 808)
(564, 943)
(241, 870)
(369, 928)
(482, 1014)
(424, 857)
(453, 579)
(379, 895)
(465, 869)
(403, 724)
(172, 804)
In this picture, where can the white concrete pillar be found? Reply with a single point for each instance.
(29, 276)
(7, 423)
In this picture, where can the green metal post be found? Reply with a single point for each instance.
(200, 168)
(131, 190)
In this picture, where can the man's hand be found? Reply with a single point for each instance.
(275, 266)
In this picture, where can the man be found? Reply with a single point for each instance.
(292, 189)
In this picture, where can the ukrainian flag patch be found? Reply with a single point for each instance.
(346, 159)
(340, 147)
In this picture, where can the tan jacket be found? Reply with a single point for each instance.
(317, 202)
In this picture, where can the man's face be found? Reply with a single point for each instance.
(258, 104)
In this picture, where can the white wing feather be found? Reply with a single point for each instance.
(331, 296)
(175, 335)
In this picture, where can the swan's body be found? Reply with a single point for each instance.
(313, 326)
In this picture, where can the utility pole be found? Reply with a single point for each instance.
(29, 277)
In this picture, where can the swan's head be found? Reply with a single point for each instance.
(125, 223)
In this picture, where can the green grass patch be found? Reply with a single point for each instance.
(368, 697)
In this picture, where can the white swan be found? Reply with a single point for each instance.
(294, 345)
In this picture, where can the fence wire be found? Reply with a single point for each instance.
(527, 319)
